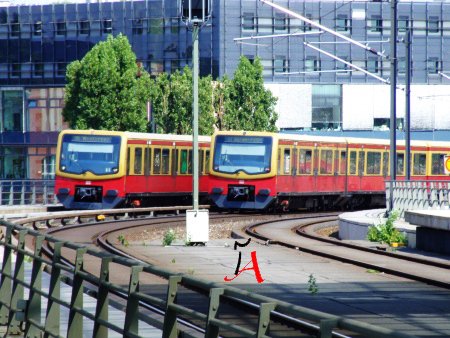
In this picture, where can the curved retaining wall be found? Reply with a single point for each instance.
(354, 225)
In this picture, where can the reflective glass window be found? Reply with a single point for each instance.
(326, 107)
(12, 104)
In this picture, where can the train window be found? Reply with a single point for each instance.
(305, 162)
(200, 162)
(343, 163)
(437, 164)
(206, 162)
(287, 161)
(361, 162)
(400, 163)
(185, 161)
(385, 163)
(352, 166)
(156, 161)
(147, 161)
(128, 162)
(326, 162)
(419, 164)
(165, 161)
(373, 163)
(137, 161)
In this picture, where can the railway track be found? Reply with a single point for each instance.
(239, 309)
(432, 271)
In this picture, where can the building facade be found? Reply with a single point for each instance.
(315, 91)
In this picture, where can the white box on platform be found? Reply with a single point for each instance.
(197, 226)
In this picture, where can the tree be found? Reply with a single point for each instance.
(172, 103)
(107, 89)
(248, 105)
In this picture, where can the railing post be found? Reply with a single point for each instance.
(33, 310)
(33, 193)
(17, 294)
(22, 194)
(52, 318)
(434, 203)
(11, 194)
(326, 327)
(44, 198)
(212, 331)
(264, 318)
(170, 318)
(75, 325)
(6, 273)
(101, 310)
(132, 311)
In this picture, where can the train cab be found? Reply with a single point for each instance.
(243, 170)
(90, 169)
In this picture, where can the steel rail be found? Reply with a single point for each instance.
(300, 230)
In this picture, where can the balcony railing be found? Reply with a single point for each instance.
(417, 195)
(27, 192)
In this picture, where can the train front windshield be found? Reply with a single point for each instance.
(98, 154)
(250, 154)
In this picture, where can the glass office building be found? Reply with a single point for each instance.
(38, 41)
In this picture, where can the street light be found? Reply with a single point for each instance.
(196, 13)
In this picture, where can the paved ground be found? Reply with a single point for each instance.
(377, 298)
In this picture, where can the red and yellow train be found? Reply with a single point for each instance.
(104, 169)
(238, 170)
(254, 170)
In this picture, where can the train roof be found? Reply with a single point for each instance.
(137, 136)
(339, 139)
(356, 140)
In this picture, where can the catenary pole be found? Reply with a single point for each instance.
(393, 113)
(408, 105)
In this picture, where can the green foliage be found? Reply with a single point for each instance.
(386, 232)
(172, 103)
(248, 104)
(169, 237)
(313, 288)
(122, 240)
(106, 89)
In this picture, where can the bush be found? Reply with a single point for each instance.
(169, 237)
(386, 232)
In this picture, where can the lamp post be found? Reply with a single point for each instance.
(196, 13)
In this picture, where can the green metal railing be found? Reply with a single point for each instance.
(20, 315)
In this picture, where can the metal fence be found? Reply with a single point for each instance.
(417, 195)
(26, 192)
(24, 313)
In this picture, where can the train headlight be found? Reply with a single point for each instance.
(115, 170)
(63, 168)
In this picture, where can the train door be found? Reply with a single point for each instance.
(147, 166)
(355, 169)
(285, 181)
(327, 168)
(340, 170)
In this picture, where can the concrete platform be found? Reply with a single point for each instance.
(436, 219)
(433, 229)
(353, 226)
